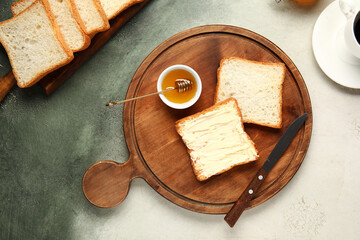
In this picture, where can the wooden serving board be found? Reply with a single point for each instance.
(55, 79)
(157, 153)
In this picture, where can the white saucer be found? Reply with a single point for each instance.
(336, 64)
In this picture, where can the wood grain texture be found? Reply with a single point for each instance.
(106, 183)
(157, 150)
(241, 204)
(7, 82)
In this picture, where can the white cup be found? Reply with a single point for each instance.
(352, 44)
(348, 48)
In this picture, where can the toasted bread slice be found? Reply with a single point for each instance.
(91, 15)
(74, 36)
(216, 140)
(34, 44)
(113, 7)
(257, 86)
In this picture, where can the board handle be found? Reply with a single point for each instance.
(106, 183)
(6, 83)
(243, 202)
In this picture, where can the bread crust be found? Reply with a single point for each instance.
(250, 61)
(13, 5)
(124, 7)
(102, 14)
(214, 107)
(86, 38)
(77, 15)
(59, 37)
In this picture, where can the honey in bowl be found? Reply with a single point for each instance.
(169, 81)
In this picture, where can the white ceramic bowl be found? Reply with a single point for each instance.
(191, 101)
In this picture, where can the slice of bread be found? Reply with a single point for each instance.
(113, 7)
(19, 6)
(257, 86)
(91, 16)
(74, 36)
(216, 139)
(34, 44)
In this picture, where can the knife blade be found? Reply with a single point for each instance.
(240, 205)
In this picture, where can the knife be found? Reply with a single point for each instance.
(242, 203)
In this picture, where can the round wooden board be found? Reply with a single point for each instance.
(156, 150)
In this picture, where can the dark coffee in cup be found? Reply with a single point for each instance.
(352, 34)
(357, 30)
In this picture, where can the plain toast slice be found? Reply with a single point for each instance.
(216, 140)
(74, 36)
(34, 44)
(91, 16)
(19, 6)
(113, 7)
(257, 86)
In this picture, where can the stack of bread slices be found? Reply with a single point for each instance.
(246, 92)
(43, 34)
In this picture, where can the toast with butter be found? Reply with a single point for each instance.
(216, 140)
(257, 86)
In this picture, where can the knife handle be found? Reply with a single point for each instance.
(243, 202)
